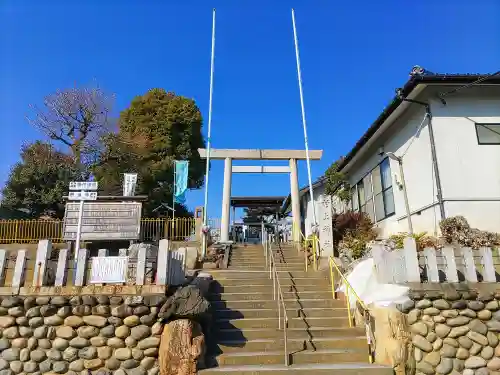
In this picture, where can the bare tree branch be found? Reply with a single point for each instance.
(77, 118)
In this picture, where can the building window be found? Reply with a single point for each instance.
(373, 194)
(488, 134)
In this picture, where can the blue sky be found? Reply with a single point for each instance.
(353, 54)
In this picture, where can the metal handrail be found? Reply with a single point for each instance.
(278, 296)
(349, 289)
(314, 240)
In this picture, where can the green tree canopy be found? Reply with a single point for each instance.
(39, 181)
(157, 128)
(337, 183)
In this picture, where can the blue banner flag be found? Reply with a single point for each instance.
(181, 180)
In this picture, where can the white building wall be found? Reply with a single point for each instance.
(470, 173)
(407, 138)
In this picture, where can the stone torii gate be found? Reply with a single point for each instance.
(228, 155)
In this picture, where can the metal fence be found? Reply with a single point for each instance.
(31, 231)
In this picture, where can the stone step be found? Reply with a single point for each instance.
(219, 274)
(307, 288)
(293, 345)
(262, 262)
(303, 281)
(271, 304)
(249, 257)
(268, 288)
(293, 333)
(249, 274)
(245, 267)
(301, 357)
(316, 369)
(293, 322)
(273, 313)
(252, 295)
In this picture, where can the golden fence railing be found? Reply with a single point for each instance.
(31, 231)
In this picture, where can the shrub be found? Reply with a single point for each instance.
(353, 230)
(422, 240)
(456, 230)
(356, 246)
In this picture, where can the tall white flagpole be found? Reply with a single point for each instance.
(212, 61)
(306, 143)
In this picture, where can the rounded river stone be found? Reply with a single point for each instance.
(132, 321)
(60, 344)
(142, 331)
(60, 367)
(79, 342)
(95, 320)
(153, 342)
(88, 331)
(115, 321)
(104, 352)
(458, 321)
(73, 321)
(38, 355)
(130, 363)
(108, 331)
(475, 362)
(65, 332)
(77, 365)
(112, 363)
(98, 341)
(88, 353)
(122, 331)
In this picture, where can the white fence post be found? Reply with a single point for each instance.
(19, 269)
(451, 264)
(162, 263)
(81, 267)
(122, 252)
(141, 265)
(62, 268)
(102, 253)
(431, 265)
(411, 260)
(382, 271)
(469, 266)
(43, 251)
(487, 263)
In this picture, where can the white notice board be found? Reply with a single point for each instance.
(109, 270)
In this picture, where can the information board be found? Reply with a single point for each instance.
(103, 221)
(108, 270)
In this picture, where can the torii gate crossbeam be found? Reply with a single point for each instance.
(255, 154)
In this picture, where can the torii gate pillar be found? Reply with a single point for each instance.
(229, 154)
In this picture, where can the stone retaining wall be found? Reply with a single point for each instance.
(72, 335)
(455, 332)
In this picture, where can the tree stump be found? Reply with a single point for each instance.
(182, 348)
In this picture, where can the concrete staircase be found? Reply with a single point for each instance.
(246, 334)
